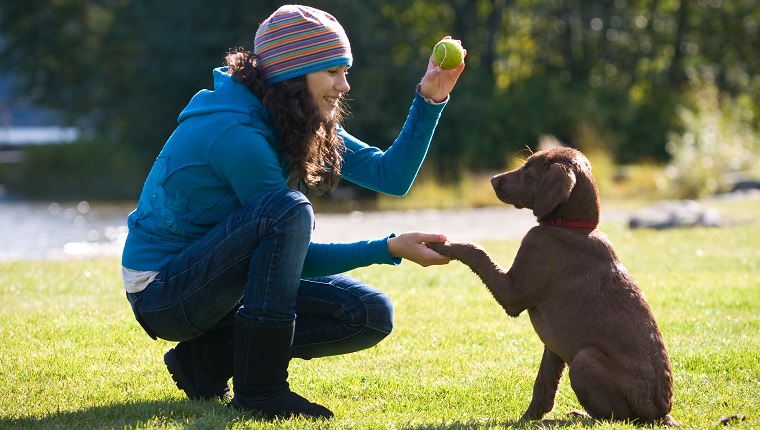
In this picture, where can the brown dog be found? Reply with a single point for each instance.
(584, 305)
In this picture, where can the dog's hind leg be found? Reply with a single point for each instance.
(596, 383)
(545, 387)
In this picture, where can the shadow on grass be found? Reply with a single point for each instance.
(512, 424)
(202, 415)
(168, 413)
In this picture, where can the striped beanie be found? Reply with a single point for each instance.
(296, 40)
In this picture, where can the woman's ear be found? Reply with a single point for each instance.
(555, 187)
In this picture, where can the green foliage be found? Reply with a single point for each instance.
(124, 69)
(74, 357)
(718, 145)
(81, 170)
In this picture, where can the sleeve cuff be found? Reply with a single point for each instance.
(377, 251)
(430, 101)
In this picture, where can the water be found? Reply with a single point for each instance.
(49, 230)
(57, 230)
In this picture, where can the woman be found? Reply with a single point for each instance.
(219, 255)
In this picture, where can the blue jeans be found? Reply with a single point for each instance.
(250, 264)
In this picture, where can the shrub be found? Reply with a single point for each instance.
(717, 147)
(81, 170)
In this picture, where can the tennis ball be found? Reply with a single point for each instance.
(448, 54)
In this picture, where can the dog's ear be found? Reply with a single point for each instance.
(555, 187)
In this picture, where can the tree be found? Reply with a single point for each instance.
(124, 69)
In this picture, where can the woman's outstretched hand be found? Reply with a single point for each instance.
(438, 83)
(411, 246)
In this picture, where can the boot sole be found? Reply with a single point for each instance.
(274, 407)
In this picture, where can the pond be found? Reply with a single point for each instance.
(55, 230)
(46, 230)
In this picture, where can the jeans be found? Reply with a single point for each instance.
(250, 264)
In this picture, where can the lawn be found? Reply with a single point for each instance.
(72, 355)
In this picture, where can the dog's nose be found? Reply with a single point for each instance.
(495, 180)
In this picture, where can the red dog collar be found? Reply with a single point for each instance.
(564, 222)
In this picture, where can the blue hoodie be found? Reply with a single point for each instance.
(223, 153)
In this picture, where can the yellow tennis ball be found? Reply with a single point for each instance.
(448, 54)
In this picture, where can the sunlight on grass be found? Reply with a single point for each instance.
(473, 190)
(626, 187)
(72, 355)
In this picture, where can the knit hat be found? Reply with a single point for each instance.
(296, 40)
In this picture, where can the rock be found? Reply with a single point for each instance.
(674, 214)
(746, 185)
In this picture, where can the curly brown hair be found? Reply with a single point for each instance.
(310, 143)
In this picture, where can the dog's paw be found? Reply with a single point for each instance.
(579, 414)
(731, 418)
(439, 247)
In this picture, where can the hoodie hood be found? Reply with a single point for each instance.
(228, 96)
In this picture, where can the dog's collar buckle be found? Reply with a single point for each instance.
(564, 222)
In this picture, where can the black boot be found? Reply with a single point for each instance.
(201, 367)
(262, 355)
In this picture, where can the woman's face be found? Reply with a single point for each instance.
(327, 87)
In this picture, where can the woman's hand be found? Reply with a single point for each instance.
(411, 246)
(438, 83)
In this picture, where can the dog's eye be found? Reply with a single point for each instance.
(529, 170)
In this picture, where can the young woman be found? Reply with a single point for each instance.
(219, 254)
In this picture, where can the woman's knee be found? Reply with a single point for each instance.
(365, 305)
(297, 206)
(379, 309)
(282, 207)
(338, 315)
(377, 323)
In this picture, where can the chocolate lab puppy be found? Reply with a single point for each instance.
(584, 305)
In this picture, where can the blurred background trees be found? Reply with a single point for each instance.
(616, 76)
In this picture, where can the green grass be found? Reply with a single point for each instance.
(72, 355)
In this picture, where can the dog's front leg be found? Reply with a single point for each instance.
(474, 256)
(477, 259)
(545, 387)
